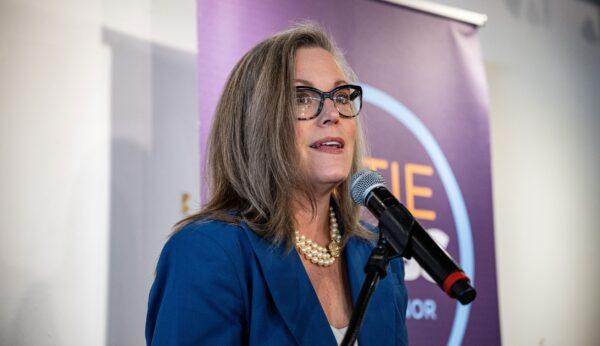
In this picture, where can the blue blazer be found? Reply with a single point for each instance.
(222, 284)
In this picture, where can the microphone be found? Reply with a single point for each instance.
(407, 237)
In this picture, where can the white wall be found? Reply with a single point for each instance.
(89, 183)
(54, 177)
(96, 96)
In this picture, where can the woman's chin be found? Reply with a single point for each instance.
(330, 180)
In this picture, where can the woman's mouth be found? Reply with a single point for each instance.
(331, 145)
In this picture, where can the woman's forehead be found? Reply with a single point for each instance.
(315, 66)
(304, 82)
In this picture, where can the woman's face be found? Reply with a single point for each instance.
(326, 143)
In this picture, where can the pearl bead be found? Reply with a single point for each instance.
(316, 253)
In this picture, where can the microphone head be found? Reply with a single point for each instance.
(362, 182)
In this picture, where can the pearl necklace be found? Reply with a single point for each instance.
(316, 253)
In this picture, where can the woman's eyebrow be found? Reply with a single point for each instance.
(303, 81)
(307, 83)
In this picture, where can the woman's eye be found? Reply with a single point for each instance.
(342, 99)
(303, 99)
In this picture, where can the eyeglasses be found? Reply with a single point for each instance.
(309, 101)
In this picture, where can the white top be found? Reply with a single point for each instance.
(339, 334)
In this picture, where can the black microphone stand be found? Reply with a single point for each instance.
(375, 269)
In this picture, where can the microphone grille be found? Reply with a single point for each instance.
(362, 182)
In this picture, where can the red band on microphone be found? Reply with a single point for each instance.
(452, 279)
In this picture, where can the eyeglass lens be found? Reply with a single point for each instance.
(347, 101)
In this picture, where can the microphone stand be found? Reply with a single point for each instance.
(375, 269)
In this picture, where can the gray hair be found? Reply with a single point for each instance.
(253, 165)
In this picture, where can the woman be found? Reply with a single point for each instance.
(277, 254)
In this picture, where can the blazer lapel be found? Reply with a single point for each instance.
(380, 322)
(292, 292)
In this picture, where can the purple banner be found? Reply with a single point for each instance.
(426, 118)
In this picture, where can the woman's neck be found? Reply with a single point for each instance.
(315, 227)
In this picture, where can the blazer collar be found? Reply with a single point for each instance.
(292, 292)
(297, 301)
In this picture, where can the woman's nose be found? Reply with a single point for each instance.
(329, 114)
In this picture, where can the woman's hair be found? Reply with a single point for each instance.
(253, 164)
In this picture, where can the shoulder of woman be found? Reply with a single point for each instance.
(198, 291)
(206, 238)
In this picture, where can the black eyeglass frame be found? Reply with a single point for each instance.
(329, 95)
